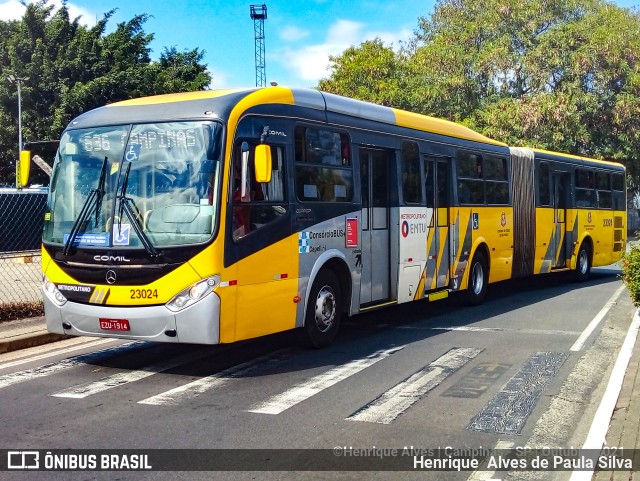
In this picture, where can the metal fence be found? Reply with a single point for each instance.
(21, 222)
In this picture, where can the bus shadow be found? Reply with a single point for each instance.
(360, 335)
(502, 297)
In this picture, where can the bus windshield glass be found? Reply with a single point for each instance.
(135, 186)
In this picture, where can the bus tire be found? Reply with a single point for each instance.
(583, 263)
(324, 310)
(478, 280)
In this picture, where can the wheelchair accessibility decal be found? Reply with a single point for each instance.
(121, 234)
(133, 153)
(476, 221)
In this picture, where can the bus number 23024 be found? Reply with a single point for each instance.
(144, 293)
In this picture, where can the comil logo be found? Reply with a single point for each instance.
(23, 460)
(111, 259)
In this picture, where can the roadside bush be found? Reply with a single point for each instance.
(21, 310)
(631, 273)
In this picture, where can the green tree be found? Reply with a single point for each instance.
(72, 68)
(371, 72)
(553, 74)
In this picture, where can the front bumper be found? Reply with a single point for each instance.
(196, 324)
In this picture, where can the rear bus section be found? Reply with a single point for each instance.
(580, 211)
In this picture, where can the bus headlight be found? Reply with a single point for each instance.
(54, 294)
(193, 294)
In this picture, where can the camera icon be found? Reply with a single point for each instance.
(23, 460)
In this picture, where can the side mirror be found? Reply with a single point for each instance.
(25, 166)
(263, 163)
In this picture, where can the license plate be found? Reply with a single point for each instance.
(114, 325)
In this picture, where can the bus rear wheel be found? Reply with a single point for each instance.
(583, 263)
(478, 280)
(324, 310)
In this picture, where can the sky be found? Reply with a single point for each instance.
(300, 35)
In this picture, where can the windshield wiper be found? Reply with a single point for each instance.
(128, 205)
(100, 189)
(93, 201)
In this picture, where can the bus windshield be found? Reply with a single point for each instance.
(135, 186)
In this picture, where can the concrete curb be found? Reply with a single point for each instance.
(30, 340)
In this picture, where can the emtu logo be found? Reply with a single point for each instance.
(405, 229)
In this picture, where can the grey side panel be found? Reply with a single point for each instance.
(309, 98)
(321, 243)
(358, 108)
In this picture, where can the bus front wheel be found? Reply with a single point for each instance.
(478, 280)
(583, 263)
(324, 311)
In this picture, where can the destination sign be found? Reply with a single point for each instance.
(147, 137)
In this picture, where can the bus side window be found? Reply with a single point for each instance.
(618, 191)
(411, 190)
(544, 185)
(585, 185)
(323, 168)
(603, 184)
(265, 202)
(470, 179)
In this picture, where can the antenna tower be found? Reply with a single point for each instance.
(259, 15)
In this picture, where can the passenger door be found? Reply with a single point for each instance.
(375, 170)
(559, 239)
(437, 191)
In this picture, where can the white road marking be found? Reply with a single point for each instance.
(303, 391)
(391, 404)
(88, 389)
(195, 388)
(83, 344)
(579, 344)
(42, 371)
(48, 369)
(600, 425)
(488, 475)
(552, 332)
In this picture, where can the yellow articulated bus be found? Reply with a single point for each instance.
(216, 216)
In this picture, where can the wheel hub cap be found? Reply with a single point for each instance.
(325, 309)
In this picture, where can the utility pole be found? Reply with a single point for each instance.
(17, 80)
(259, 15)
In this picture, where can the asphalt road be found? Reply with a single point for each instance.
(429, 375)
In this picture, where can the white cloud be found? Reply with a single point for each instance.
(344, 32)
(219, 79)
(11, 10)
(293, 34)
(310, 63)
(14, 10)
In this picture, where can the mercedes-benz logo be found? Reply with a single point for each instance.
(111, 277)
